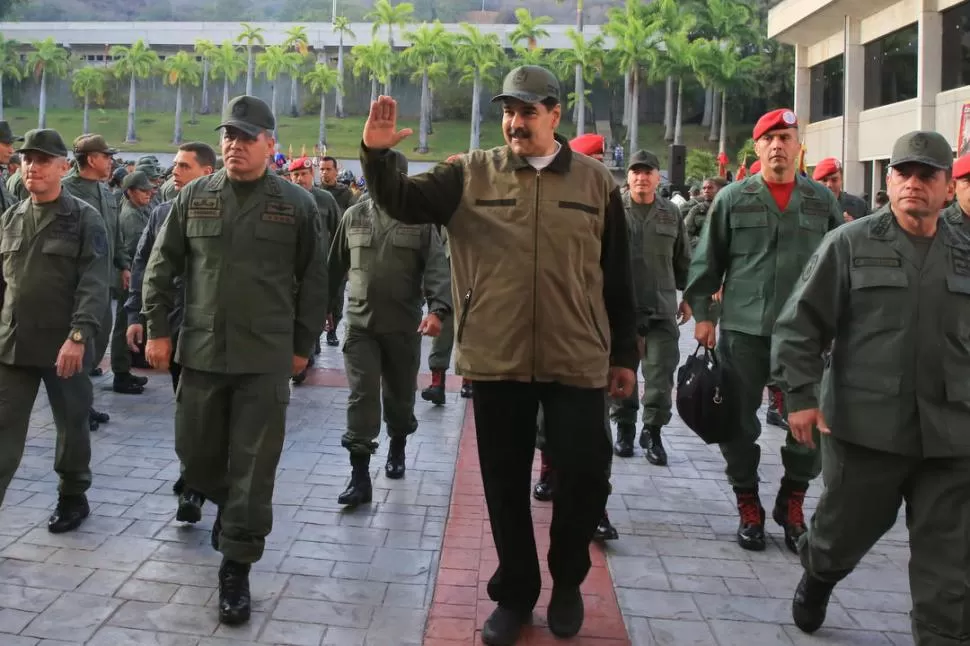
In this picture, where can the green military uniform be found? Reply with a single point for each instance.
(53, 286)
(7, 199)
(167, 190)
(853, 205)
(386, 262)
(757, 251)
(343, 195)
(660, 255)
(329, 211)
(895, 393)
(15, 186)
(255, 296)
(131, 222)
(345, 199)
(439, 359)
(694, 222)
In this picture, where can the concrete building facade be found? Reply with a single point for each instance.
(868, 71)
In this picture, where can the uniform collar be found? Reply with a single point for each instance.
(560, 164)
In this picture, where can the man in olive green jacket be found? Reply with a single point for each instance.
(53, 292)
(7, 140)
(389, 265)
(134, 217)
(248, 245)
(890, 294)
(542, 288)
(759, 234)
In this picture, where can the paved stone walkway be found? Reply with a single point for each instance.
(133, 576)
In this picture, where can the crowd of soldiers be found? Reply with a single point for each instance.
(553, 284)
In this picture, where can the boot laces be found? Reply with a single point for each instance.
(235, 578)
(437, 378)
(796, 516)
(750, 509)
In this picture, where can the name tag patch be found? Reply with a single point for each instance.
(876, 262)
(279, 218)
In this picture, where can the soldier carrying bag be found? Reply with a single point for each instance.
(703, 400)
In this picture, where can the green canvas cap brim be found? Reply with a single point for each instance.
(245, 126)
(920, 159)
(12, 139)
(525, 97)
(37, 149)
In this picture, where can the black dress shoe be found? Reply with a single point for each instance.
(96, 372)
(127, 384)
(69, 514)
(503, 626)
(332, 339)
(653, 447)
(99, 417)
(216, 530)
(810, 603)
(138, 379)
(543, 491)
(605, 530)
(394, 469)
(93, 424)
(300, 378)
(234, 600)
(190, 507)
(566, 612)
(466, 389)
(623, 447)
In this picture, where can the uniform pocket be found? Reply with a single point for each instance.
(203, 227)
(749, 233)
(9, 244)
(274, 232)
(60, 247)
(406, 238)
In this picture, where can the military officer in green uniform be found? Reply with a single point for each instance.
(759, 234)
(439, 359)
(15, 185)
(697, 215)
(389, 265)
(53, 290)
(961, 202)
(7, 140)
(345, 199)
(891, 295)
(829, 172)
(248, 247)
(660, 254)
(134, 217)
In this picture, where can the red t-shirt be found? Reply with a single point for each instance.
(781, 193)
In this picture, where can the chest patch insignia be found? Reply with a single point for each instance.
(863, 261)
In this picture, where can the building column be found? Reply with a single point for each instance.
(854, 63)
(929, 50)
(876, 182)
(803, 85)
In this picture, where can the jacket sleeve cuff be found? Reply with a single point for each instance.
(89, 331)
(158, 328)
(628, 358)
(802, 399)
(303, 342)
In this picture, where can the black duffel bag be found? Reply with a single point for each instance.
(704, 400)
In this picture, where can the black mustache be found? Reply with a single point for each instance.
(519, 133)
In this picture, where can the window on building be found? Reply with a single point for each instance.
(891, 68)
(828, 81)
(956, 46)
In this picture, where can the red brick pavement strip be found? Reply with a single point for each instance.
(461, 604)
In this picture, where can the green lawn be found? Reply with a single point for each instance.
(155, 131)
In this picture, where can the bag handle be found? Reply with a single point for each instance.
(708, 354)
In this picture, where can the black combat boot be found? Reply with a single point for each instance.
(652, 445)
(605, 530)
(435, 393)
(788, 511)
(566, 611)
(466, 389)
(179, 486)
(623, 447)
(128, 384)
(545, 487)
(810, 603)
(190, 507)
(69, 513)
(358, 491)
(751, 527)
(96, 419)
(234, 601)
(332, 339)
(503, 626)
(394, 469)
(775, 406)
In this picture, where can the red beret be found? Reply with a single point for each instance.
(961, 167)
(775, 120)
(300, 164)
(826, 167)
(756, 166)
(589, 144)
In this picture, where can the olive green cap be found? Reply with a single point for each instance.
(643, 158)
(150, 170)
(6, 134)
(45, 141)
(530, 84)
(92, 144)
(138, 180)
(922, 147)
(249, 114)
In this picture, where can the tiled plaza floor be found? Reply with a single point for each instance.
(403, 570)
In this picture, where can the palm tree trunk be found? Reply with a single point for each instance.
(42, 108)
(580, 102)
(225, 93)
(205, 86)
(387, 87)
(430, 110)
(678, 123)
(634, 125)
(626, 98)
(339, 93)
(273, 109)
(294, 108)
(323, 121)
(425, 116)
(85, 120)
(250, 70)
(177, 138)
(132, 95)
(708, 107)
(373, 89)
(715, 116)
(722, 145)
(473, 141)
(669, 111)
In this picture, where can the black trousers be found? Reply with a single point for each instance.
(579, 451)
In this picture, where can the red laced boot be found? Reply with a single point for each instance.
(435, 393)
(788, 511)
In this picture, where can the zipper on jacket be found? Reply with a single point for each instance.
(535, 279)
(465, 302)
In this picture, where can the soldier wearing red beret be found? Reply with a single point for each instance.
(829, 172)
(959, 210)
(760, 233)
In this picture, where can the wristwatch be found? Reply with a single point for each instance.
(76, 336)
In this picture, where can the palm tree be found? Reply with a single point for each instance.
(680, 62)
(725, 70)
(297, 40)
(227, 62)
(526, 56)
(377, 60)
(250, 37)
(179, 70)
(480, 56)
(586, 57)
(633, 49)
(47, 60)
(86, 82)
(529, 29)
(320, 80)
(10, 65)
(430, 46)
(272, 62)
(341, 27)
(134, 62)
(204, 48)
(387, 15)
